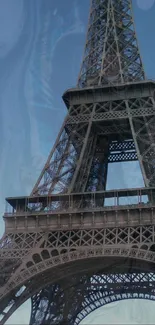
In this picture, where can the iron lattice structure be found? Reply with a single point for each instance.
(72, 246)
(111, 52)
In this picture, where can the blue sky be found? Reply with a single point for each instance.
(41, 46)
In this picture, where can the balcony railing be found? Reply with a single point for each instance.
(56, 203)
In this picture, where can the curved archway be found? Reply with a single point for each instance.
(110, 299)
(95, 291)
(70, 257)
(127, 311)
(52, 270)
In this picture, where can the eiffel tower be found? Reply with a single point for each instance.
(72, 246)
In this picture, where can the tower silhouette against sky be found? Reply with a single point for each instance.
(73, 246)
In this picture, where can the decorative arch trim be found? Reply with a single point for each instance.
(110, 299)
(77, 255)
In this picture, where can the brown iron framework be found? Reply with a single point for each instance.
(111, 52)
(72, 246)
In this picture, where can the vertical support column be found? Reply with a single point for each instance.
(79, 162)
(136, 144)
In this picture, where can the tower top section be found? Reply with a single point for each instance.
(111, 52)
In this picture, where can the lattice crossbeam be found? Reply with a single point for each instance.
(70, 245)
(87, 293)
(97, 133)
(111, 52)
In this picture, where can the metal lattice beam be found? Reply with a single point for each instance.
(111, 52)
(104, 116)
(71, 245)
(84, 294)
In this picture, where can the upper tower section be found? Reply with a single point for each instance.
(111, 52)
